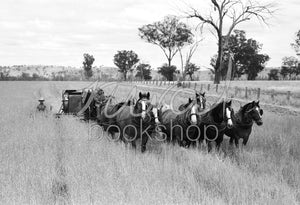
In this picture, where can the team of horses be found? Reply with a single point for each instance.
(192, 123)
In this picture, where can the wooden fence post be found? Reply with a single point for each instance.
(236, 91)
(246, 92)
(273, 94)
(258, 93)
(288, 97)
(201, 88)
(195, 86)
(189, 86)
(208, 87)
(217, 87)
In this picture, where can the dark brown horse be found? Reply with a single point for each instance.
(243, 122)
(214, 122)
(106, 115)
(136, 121)
(181, 126)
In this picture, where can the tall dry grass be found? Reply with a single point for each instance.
(34, 148)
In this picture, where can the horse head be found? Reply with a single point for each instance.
(143, 106)
(201, 100)
(253, 111)
(223, 112)
(193, 110)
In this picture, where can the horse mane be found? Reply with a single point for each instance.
(244, 108)
(214, 112)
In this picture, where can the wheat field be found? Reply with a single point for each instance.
(39, 153)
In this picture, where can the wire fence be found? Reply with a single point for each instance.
(276, 100)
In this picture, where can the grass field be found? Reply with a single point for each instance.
(39, 152)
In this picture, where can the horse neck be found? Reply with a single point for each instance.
(185, 115)
(216, 115)
(242, 117)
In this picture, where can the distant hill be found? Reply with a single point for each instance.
(52, 72)
(57, 72)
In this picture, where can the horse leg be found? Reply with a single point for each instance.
(133, 144)
(144, 142)
(245, 140)
(231, 141)
(219, 140)
(209, 146)
(236, 141)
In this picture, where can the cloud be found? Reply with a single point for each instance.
(59, 32)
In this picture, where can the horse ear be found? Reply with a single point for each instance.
(140, 95)
(257, 103)
(190, 100)
(148, 95)
(253, 103)
(229, 103)
(203, 94)
(197, 94)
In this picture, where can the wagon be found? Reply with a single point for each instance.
(76, 102)
(82, 103)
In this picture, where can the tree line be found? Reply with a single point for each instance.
(174, 37)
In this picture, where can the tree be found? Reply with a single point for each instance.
(125, 60)
(191, 68)
(35, 76)
(289, 66)
(143, 71)
(297, 70)
(245, 56)
(236, 11)
(285, 71)
(273, 74)
(167, 71)
(191, 50)
(87, 65)
(296, 44)
(170, 35)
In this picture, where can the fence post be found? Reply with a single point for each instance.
(236, 91)
(189, 85)
(272, 94)
(195, 86)
(201, 88)
(217, 87)
(246, 92)
(288, 97)
(208, 87)
(258, 93)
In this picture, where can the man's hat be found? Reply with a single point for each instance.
(41, 99)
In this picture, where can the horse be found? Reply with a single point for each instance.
(214, 122)
(243, 121)
(136, 121)
(201, 101)
(181, 127)
(106, 114)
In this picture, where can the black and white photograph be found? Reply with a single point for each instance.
(162, 102)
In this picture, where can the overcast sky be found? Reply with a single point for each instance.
(58, 32)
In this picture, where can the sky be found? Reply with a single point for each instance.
(59, 32)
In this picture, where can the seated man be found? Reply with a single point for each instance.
(41, 106)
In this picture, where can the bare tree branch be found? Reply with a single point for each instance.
(237, 11)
